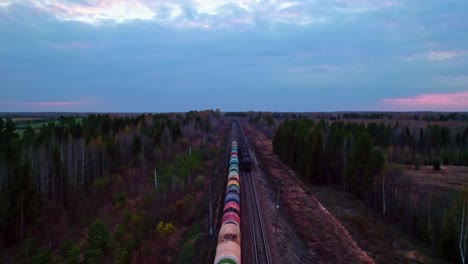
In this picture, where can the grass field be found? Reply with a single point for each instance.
(452, 177)
(21, 123)
(23, 119)
(34, 125)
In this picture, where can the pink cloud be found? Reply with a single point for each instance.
(44, 104)
(430, 102)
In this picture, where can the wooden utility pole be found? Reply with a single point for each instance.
(384, 208)
(155, 182)
(277, 204)
(462, 235)
(211, 210)
(22, 216)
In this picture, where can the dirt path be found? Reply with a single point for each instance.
(323, 239)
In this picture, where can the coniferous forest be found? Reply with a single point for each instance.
(70, 171)
(370, 159)
(96, 174)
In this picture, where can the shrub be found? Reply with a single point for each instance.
(92, 255)
(164, 229)
(45, 256)
(98, 235)
(136, 220)
(120, 199)
(102, 182)
(131, 244)
(187, 252)
(121, 256)
(116, 178)
(148, 199)
(66, 247)
(73, 256)
(146, 250)
(436, 165)
(98, 238)
(418, 161)
(126, 217)
(119, 232)
(194, 232)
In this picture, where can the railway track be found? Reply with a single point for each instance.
(259, 243)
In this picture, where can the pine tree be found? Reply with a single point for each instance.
(316, 159)
(365, 163)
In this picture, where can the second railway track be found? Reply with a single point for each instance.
(259, 243)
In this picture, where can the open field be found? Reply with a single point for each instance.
(452, 177)
(21, 123)
(22, 119)
(35, 123)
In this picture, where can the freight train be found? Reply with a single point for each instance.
(228, 250)
(245, 154)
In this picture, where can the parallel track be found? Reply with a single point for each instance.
(259, 242)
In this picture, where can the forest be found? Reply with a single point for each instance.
(367, 158)
(67, 173)
(97, 173)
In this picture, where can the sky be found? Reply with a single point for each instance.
(235, 55)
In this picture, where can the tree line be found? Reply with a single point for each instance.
(66, 157)
(339, 153)
(364, 158)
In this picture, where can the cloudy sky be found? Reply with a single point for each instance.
(236, 55)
